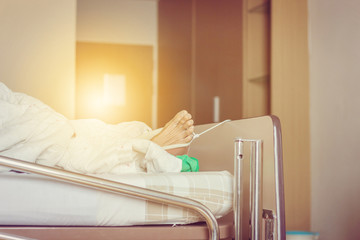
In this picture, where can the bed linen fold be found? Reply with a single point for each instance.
(32, 131)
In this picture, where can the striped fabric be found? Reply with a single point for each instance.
(213, 189)
(28, 199)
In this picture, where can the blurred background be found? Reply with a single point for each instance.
(145, 60)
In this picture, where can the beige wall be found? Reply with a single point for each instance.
(37, 45)
(335, 112)
(114, 21)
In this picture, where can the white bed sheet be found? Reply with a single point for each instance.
(28, 199)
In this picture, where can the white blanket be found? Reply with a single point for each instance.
(32, 131)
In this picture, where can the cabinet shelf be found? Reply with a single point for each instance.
(264, 78)
(263, 7)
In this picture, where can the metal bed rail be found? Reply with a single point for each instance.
(117, 187)
(274, 219)
(6, 236)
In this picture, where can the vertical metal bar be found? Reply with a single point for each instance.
(268, 217)
(216, 110)
(279, 181)
(238, 175)
(251, 191)
(256, 189)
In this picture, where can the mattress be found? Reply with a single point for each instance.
(29, 199)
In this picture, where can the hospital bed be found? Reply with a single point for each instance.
(249, 149)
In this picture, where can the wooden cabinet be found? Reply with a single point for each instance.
(174, 58)
(200, 57)
(290, 102)
(276, 82)
(256, 52)
(253, 54)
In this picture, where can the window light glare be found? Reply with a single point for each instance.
(114, 89)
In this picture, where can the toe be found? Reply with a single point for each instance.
(182, 113)
(180, 116)
(176, 119)
(188, 138)
(185, 118)
(190, 131)
(189, 124)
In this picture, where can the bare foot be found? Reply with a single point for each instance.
(178, 130)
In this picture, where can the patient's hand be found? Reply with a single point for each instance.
(178, 130)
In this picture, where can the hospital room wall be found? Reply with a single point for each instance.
(38, 51)
(334, 37)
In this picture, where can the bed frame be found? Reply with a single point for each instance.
(251, 149)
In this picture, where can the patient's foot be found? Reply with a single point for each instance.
(178, 130)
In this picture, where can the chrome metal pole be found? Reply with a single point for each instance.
(117, 187)
(279, 182)
(255, 198)
(238, 189)
(256, 189)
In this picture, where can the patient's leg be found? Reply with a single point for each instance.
(177, 131)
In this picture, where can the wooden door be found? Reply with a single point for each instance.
(200, 57)
(218, 59)
(174, 58)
